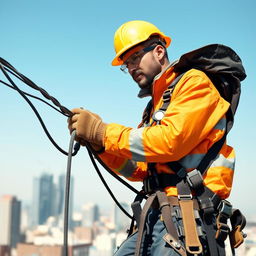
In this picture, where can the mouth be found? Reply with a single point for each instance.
(137, 76)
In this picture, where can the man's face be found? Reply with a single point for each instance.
(143, 66)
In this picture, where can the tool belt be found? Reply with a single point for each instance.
(206, 205)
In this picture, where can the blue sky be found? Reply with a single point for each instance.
(66, 47)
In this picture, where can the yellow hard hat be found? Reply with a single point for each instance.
(132, 33)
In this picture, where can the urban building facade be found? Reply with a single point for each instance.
(10, 214)
(121, 221)
(48, 199)
(90, 214)
(55, 250)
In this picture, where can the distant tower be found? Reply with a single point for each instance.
(90, 214)
(120, 219)
(10, 213)
(43, 198)
(48, 198)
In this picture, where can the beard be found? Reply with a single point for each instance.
(146, 83)
(143, 80)
(144, 75)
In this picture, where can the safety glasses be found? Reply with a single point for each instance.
(135, 58)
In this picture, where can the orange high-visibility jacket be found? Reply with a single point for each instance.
(193, 122)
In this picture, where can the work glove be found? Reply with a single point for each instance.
(89, 128)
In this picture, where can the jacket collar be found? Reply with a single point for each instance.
(160, 83)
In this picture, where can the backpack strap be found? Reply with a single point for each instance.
(159, 114)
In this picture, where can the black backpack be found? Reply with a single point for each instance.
(223, 66)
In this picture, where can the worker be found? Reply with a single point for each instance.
(194, 120)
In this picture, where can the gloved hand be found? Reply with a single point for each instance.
(89, 127)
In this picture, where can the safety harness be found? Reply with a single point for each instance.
(223, 66)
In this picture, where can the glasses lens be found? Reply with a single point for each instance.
(124, 68)
(135, 58)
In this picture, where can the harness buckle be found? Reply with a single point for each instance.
(225, 208)
(194, 179)
(150, 184)
(207, 206)
(185, 197)
(222, 231)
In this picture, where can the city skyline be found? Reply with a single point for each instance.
(100, 236)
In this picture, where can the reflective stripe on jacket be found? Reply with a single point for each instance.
(193, 122)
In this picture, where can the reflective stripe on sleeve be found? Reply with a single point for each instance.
(127, 168)
(220, 161)
(136, 145)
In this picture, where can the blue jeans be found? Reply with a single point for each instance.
(153, 244)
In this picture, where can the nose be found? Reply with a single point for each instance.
(132, 67)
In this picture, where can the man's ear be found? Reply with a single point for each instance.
(159, 52)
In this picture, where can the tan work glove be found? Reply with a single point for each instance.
(89, 127)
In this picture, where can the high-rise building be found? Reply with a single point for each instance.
(43, 198)
(121, 221)
(48, 198)
(90, 214)
(10, 212)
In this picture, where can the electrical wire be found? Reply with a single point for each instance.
(112, 173)
(7, 67)
(35, 111)
(63, 110)
(105, 183)
(35, 97)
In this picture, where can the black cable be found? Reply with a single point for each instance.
(35, 111)
(68, 113)
(105, 184)
(9, 68)
(63, 110)
(35, 97)
(114, 174)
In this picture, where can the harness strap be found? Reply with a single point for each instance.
(172, 236)
(136, 208)
(192, 242)
(142, 222)
(207, 206)
(168, 93)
